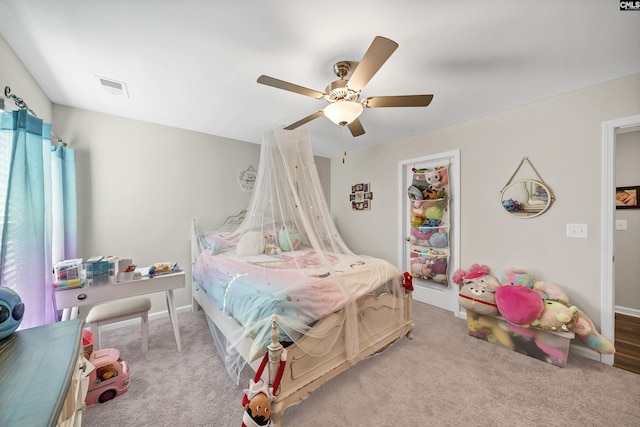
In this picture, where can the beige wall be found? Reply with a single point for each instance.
(17, 77)
(627, 243)
(141, 184)
(562, 136)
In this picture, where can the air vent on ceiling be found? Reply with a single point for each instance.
(114, 87)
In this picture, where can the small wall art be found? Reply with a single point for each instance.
(627, 197)
(247, 179)
(361, 196)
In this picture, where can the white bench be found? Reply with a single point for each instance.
(105, 314)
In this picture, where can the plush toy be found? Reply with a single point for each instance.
(487, 328)
(11, 311)
(258, 397)
(414, 193)
(420, 236)
(432, 222)
(518, 304)
(438, 270)
(433, 179)
(271, 245)
(550, 291)
(589, 335)
(407, 281)
(258, 405)
(433, 212)
(418, 210)
(439, 240)
(252, 243)
(556, 315)
(515, 276)
(289, 238)
(477, 290)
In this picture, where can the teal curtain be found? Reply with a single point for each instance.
(38, 212)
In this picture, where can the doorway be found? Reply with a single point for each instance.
(607, 282)
(445, 297)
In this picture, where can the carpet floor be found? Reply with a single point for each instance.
(443, 377)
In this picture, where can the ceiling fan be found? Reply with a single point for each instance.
(343, 94)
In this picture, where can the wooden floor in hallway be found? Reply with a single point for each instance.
(627, 343)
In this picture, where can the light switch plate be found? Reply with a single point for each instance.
(621, 224)
(580, 231)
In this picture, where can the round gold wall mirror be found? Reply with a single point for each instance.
(526, 198)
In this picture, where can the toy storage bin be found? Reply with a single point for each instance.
(100, 270)
(548, 346)
(68, 274)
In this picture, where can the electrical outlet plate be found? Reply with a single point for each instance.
(580, 231)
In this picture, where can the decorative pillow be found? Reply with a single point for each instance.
(518, 304)
(289, 238)
(251, 243)
(215, 243)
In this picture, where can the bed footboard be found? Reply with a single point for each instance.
(381, 322)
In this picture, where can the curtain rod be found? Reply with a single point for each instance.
(23, 106)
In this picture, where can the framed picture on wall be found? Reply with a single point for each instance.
(627, 197)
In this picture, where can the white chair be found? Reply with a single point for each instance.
(105, 314)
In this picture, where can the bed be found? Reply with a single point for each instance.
(311, 302)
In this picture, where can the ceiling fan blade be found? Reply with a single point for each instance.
(281, 84)
(305, 120)
(397, 101)
(380, 50)
(356, 128)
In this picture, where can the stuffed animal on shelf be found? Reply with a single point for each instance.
(477, 290)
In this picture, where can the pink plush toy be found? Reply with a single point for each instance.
(518, 304)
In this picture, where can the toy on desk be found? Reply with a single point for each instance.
(163, 268)
(11, 311)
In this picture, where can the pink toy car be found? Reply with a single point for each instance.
(109, 379)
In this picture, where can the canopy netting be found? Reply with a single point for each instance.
(285, 258)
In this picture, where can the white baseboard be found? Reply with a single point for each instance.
(152, 316)
(585, 352)
(628, 311)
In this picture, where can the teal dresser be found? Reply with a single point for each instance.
(40, 376)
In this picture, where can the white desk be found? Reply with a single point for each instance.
(68, 300)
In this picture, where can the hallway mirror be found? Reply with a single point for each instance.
(526, 198)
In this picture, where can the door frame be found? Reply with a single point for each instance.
(607, 271)
(422, 293)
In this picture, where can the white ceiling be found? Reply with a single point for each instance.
(194, 64)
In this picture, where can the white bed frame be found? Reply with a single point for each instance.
(382, 320)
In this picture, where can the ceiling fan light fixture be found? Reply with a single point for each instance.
(343, 112)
